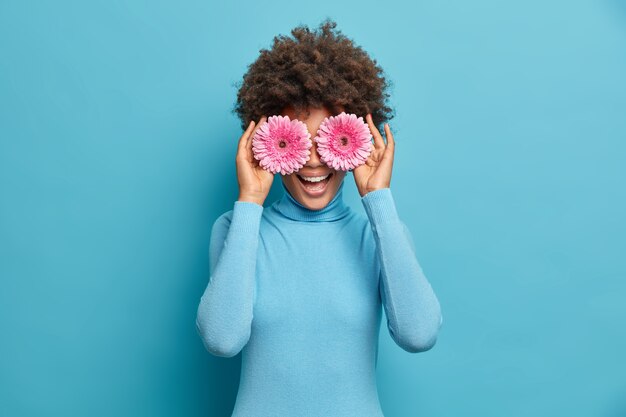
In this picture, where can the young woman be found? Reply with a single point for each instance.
(298, 287)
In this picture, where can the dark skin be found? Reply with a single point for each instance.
(376, 172)
(255, 182)
(314, 166)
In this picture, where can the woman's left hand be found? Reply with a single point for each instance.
(375, 173)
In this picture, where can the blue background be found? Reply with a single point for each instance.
(117, 154)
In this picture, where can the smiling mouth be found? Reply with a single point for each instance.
(315, 186)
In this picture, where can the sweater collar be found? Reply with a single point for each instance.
(289, 207)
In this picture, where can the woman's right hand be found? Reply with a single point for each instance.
(254, 181)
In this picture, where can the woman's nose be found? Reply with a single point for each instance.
(314, 159)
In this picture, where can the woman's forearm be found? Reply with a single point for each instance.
(412, 309)
(224, 315)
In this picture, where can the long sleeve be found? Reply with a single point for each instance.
(412, 309)
(224, 316)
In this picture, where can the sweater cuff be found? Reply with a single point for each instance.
(246, 216)
(380, 206)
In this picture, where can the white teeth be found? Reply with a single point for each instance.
(314, 179)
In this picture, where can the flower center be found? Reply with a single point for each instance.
(282, 144)
(344, 141)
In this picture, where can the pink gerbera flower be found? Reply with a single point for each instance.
(282, 145)
(344, 141)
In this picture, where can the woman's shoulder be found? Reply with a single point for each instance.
(245, 211)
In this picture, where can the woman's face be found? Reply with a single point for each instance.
(312, 195)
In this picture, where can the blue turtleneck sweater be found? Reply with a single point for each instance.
(299, 293)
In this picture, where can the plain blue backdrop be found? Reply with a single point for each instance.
(117, 154)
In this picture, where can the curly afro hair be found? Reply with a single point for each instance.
(313, 69)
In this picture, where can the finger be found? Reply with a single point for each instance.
(258, 125)
(249, 152)
(251, 157)
(247, 144)
(391, 143)
(378, 139)
(244, 137)
(386, 162)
